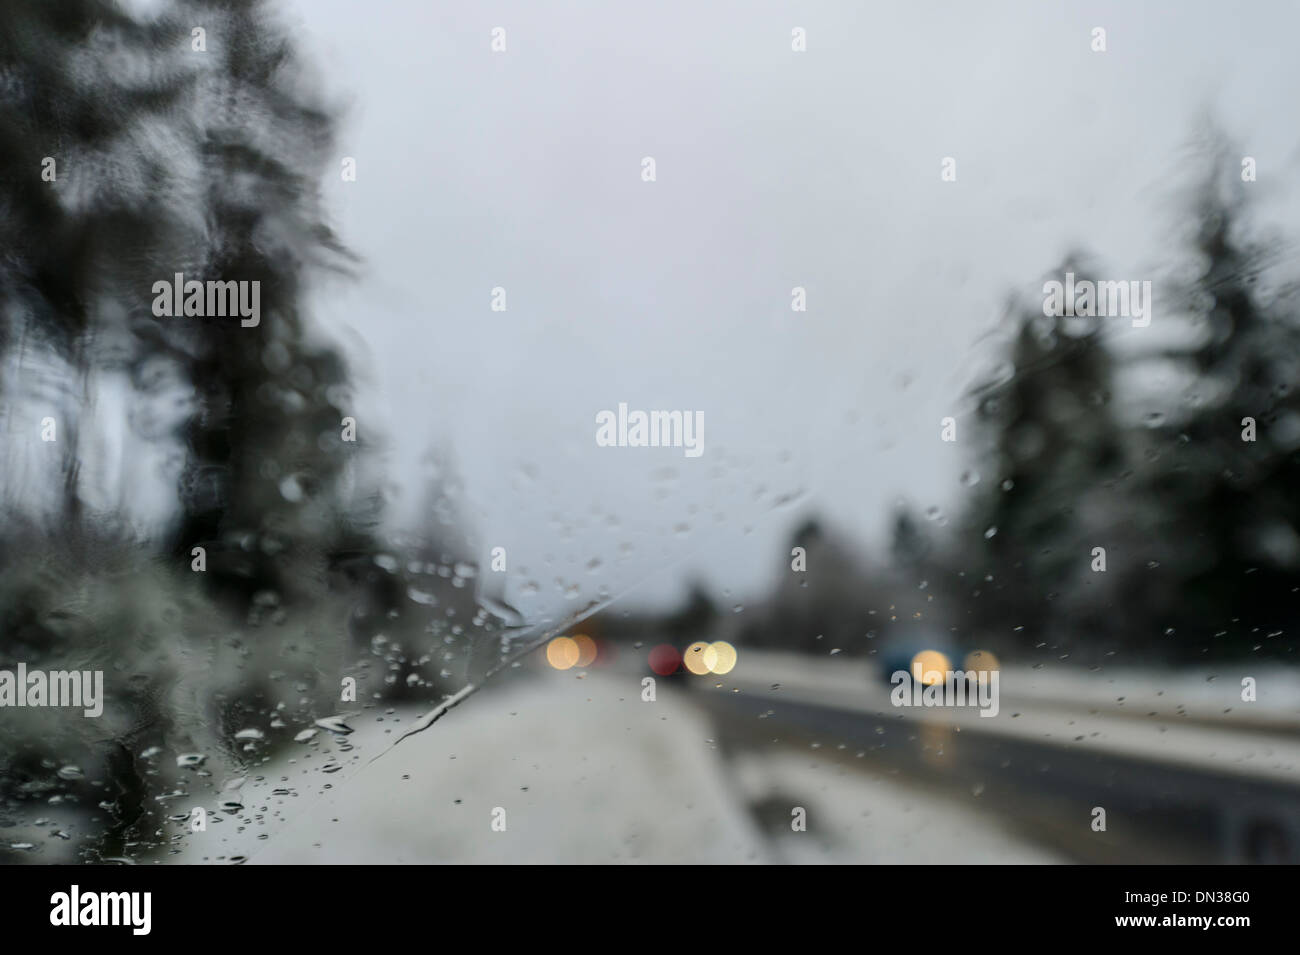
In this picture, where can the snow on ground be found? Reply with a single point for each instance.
(1181, 719)
(855, 816)
(1208, 694)
(585, 771)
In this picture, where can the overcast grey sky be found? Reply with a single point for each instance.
(775, 169)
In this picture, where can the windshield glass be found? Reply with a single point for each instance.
(608, 433)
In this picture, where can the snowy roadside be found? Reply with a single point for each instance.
(585, 771)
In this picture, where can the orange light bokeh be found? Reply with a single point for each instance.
(563, 653)
(693, 658)
(934, 667)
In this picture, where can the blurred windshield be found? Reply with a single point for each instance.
(599, 433)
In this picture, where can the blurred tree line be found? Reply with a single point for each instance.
(175, 153)
(1167, 454)
(1174, 447)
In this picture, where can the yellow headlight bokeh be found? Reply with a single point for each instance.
(693, 658)
(720, 657)
(586, 650)
(563, 653)
(703, 658)
(933, 665)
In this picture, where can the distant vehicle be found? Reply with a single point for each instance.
(900, 652)
(932, 653)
